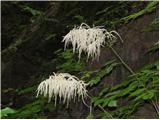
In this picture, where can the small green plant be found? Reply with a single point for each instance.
(154, 48)
(7, 111)
(149, 8)
(105, 70)
(34, 12)
(130, 88)
(66, 61)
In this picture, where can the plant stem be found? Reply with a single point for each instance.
(124, 64)
(107, 113)
(155, 106)
(132, 72)
(119, 57)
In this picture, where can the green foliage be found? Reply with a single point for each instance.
(154, 48)
(6, 111)
(50, 36)
(79, 18)
(112, 103)
(125, 111)
(34, 12)
(149, 8)
(131, 90)
(138, 88)
(7, 90)
(147, 77)
(110, 15)
(51, 107)
(34, 109)
(106, 69)
(155, 21)
(30, 110)
(12, 49)
(90, 116)
(27, 90)
(66, 62)
(153, 27)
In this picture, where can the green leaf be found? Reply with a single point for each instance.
(109, 62)
(154, 48)
(58, 51)
(94, 81)
(103, 91)
(129, 89)
(30, 110)
(149, 8)
(34, 12)
(79, 18)
(112, 103)
(106, 101)
(136, 93)
(93, 99)
(27, 90)
(155, 21)
(6, 111)
(98, 102)
(90, 116)
(149, 95)
(51, 107)
(146, 96)
(105, 70)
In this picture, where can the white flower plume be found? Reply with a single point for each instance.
(89, 40)
(64, 86)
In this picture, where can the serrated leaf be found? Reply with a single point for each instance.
(106, 102)
(98, 102)
(149, 95)
(93, 99)
(136, 93)
(131, 87)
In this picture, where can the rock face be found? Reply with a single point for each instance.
(134, 53)
(135, 46)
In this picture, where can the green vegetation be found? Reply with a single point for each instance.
(32, 49)
(67, 61)
(106, 69)
(149, 8)
(6, 111)
(132, 90)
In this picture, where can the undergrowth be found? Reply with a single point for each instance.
(121, 100)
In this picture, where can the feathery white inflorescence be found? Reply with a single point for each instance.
(89, 40)
(64, 86)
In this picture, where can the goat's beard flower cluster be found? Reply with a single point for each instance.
(89, 40)
(63, 85)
